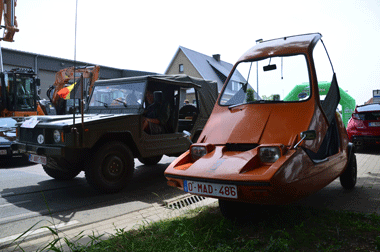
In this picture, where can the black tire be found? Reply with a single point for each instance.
(111, 168)
(53, 170)
(349, 177)
(150, 160)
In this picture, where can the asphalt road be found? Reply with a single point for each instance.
(30, 197)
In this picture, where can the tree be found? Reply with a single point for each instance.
(250, 95)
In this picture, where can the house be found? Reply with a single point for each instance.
(195, 64)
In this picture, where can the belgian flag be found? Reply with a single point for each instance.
(69, 91)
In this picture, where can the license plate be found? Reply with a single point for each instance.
(210, 189)
(3, 152)
(37, 159)
(374, 124)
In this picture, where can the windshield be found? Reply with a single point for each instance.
(22, 92)
(116, 96)
(268, 80)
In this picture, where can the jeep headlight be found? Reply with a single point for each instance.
(197, 152)
(57, 136)
(269, 154)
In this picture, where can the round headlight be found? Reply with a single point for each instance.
(57, 136)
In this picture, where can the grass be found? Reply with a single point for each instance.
(288, 228)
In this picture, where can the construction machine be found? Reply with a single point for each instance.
(7, 9)
(19, 96)
(18, 87)
(70, 78)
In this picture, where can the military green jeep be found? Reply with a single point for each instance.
(105, 139)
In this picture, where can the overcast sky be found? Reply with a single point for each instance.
(144, 35)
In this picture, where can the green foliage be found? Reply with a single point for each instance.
(287, 228)
(250, 95)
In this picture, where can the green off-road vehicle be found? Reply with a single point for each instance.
(105, 139)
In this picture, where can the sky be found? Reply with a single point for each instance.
(145, 35)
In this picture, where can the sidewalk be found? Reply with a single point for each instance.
(365, 198)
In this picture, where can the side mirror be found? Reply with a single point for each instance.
(38, 82)
(308, 135)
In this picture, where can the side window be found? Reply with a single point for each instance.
(323, 67)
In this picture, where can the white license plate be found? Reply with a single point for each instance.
(210, 189)
(3, 152)
(37, 159)
(374, 124)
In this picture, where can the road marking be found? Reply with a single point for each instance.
(38, 230)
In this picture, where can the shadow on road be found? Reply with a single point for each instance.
(10, 163)
(62, 199)
(368, 149)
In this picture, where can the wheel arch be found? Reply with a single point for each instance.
(124, 137)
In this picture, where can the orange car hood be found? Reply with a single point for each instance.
(258, 123)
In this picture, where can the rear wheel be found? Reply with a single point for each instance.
(349, 176)
(150, 160)
(53, 170)
(111, 168)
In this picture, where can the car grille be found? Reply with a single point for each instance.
(30, 135)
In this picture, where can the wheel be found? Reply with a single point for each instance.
(53, 170)
(111, 168)
(349, 176)
(150, 160)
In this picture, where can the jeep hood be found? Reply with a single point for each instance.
(67, 120)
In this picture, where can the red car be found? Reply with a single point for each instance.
(364, 125)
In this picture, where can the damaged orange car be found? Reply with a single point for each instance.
(268, 142)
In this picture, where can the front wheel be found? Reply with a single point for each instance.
(349, 176)
(111, 168)
(150, 160)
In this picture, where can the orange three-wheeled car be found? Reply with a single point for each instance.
(267, 141)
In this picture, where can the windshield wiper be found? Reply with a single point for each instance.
(124, 103)
(105, 104)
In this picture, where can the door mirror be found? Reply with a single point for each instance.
(308, 135)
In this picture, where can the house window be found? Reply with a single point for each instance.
(181, 68)
(236, 86)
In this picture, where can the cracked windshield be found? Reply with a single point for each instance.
(124, 95)
(268, 80)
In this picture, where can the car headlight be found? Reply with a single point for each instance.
(57, 136)
(197, 152)
(269, 154)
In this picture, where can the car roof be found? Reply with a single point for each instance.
(368, 108)
(282, 46)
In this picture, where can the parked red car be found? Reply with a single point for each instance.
(364, 126)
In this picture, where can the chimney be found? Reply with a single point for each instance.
(216, 57)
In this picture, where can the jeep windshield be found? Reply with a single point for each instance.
(268, 80)
(122, 95)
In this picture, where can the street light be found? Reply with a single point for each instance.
(257, 72)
